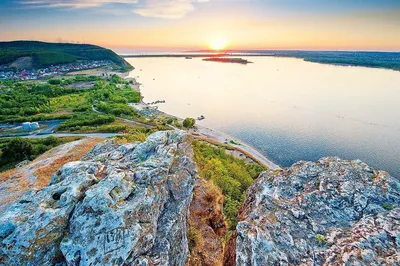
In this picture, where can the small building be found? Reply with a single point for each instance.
(30, 126)
(26, 126)
(35, 125)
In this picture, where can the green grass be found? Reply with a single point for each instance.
(77, 121)
(135, 134)
(70, 102)
(231, 175)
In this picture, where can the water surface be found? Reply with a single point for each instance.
(287, 108)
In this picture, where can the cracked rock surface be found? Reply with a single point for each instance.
(122, 204)
(331, 212)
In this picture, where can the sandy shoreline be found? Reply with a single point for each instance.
(210, 135)
(239, 145)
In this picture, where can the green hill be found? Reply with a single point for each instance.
(42, 54)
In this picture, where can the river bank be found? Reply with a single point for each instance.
(214, 137)
(244, 149)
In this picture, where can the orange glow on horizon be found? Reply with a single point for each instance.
(355, 31)
(217, 44)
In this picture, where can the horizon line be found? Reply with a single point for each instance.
(152, 49)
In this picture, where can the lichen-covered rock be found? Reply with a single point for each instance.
(121, 205)
(331, 212)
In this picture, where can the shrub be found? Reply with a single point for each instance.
(231, 175)
(86, 119)
(137, 134)
(17, 149)
(50, 141)
(387, 206)
(116, 109)
(320, 239)
(54, 81)
(177, 124)
(40, 148)
(189, 122)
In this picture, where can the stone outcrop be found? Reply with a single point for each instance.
(207, 226)
(120, 205)
(331, 212)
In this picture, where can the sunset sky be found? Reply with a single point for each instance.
(146, 25)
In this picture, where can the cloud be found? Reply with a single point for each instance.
(169, 9)
(74, 3)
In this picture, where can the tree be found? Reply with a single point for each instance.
(54, 81)
(189, 122)
(17, 149)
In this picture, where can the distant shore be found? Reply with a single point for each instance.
(383, 60)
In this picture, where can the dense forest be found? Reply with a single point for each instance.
(46, 54)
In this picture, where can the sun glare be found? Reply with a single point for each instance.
(218, 44)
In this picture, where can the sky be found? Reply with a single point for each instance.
(174, 25)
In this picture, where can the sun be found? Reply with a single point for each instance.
(217, 44)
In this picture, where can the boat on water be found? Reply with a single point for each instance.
(201, 117)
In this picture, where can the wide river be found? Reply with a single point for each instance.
(288, 109)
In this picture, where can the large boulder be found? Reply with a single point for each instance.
(120, 205)
(331, 212)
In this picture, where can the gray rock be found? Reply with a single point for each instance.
(332, 212)
(121, 205)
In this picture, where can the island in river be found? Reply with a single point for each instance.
(228, 60)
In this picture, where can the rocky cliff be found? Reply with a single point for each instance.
(142, 204)
(331, 212)
(120, 205)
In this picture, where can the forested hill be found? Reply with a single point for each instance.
(42, 54)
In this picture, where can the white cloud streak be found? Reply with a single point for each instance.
(73, 3)
(167, 9)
